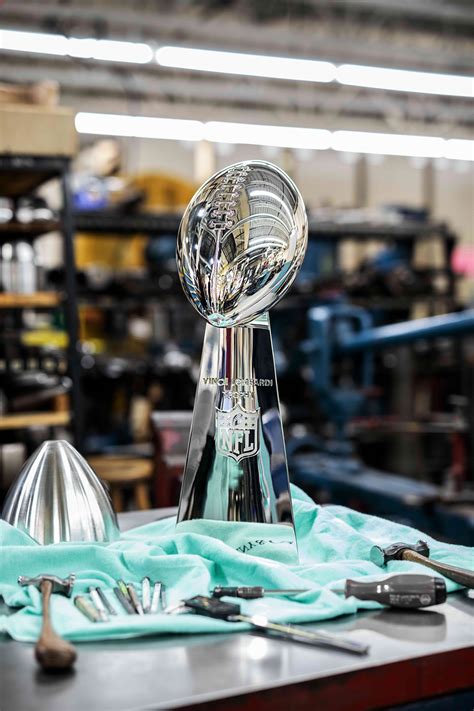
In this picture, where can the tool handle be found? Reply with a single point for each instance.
(459, 575)
(407, 591)
(245, 593)
(52, 652)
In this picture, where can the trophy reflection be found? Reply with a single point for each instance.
(241, 242)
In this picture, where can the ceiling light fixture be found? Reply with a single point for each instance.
(85, 48)
(256, 65)
(239, 63)
(363, 142)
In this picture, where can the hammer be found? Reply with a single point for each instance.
(51, 651)
(419, 553)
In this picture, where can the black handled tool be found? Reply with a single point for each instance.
(251, 592)
(214, 607)
(399, 590)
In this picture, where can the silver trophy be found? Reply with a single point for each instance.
(241, 242)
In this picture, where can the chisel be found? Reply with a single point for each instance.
(214, 607)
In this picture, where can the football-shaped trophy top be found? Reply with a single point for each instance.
(241, 242)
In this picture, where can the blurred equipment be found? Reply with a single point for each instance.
(124, 472)
(420, 553)
(239, 250)
(19, 270)
(51, 651)
(340, 351)
(407, 591)
(57, 497)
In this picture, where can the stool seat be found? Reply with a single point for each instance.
(123, 472)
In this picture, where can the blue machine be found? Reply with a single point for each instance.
(331, 470)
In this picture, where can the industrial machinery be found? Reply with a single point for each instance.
(331, 470)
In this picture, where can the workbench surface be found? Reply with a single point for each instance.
(414, 655)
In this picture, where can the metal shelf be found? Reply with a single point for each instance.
(34, 419)
(21, 175)
(102, 222)
(114, 224)
(38, 300)
(14, 230)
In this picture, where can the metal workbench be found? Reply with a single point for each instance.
(414, 655)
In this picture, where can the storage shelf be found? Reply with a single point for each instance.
(29, 230)
(20, 175)
(102, 222)
(34, 419)
(38, 300)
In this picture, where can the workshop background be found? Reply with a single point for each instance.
(111, 116)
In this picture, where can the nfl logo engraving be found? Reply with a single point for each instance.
(237, 433)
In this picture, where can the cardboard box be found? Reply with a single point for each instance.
(37, 130)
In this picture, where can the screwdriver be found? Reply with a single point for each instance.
(251, 593)
(398, 591)
(214, 607)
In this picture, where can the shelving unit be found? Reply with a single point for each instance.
(20, 175)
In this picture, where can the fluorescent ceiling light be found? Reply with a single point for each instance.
(389, 144)
(281, 136)
(459, 149)
(139, 126)
(33, 42)
(405, 80)
(261, 135)
(85, 48)
(314, 70)
(256, 65)
(192, 59)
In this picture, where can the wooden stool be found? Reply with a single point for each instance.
(123, 472)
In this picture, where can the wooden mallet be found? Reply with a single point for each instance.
(52, 652)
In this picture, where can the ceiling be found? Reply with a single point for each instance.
(430, 35)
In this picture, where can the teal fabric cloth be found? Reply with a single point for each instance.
(333, 544)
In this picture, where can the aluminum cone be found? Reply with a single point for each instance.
(57, 497)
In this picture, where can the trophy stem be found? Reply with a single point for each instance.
(236, 466)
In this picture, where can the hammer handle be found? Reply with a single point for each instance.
(459, 575)
(52, 652)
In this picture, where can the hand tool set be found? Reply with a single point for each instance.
(98, 608)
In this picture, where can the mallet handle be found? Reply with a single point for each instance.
(459, 575)
(52, 652)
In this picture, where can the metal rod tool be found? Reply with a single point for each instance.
(155, 600)
(163, 598)
(146, 595)
(87, 609)
(214, 607)
(252, 592)
(124, 601)
(108, 605)
(409, 591)
(134, 599)
(98, 604)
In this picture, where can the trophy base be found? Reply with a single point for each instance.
(236, 469)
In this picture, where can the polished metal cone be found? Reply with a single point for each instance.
(57, 497)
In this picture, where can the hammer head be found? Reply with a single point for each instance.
(63, 586)
(381, 556)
